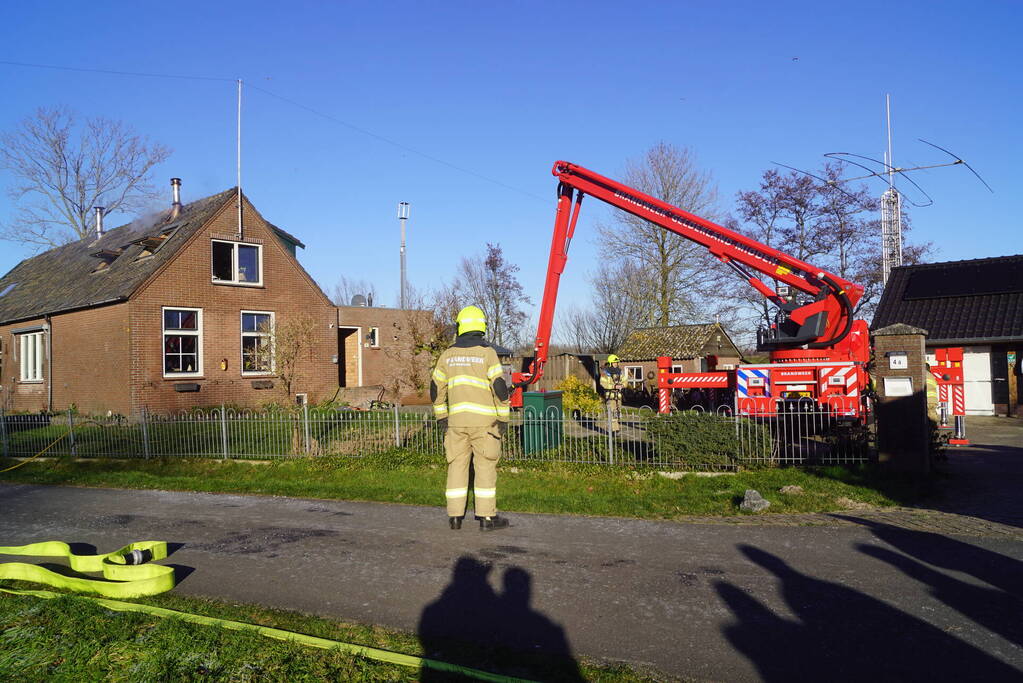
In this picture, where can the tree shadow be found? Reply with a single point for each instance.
(997, 607)
(471, 625)
(841, 634)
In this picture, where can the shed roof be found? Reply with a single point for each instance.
(678, 341)
(957, 301)
(71, 276)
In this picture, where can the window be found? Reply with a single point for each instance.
(677, 368)
(373, 338)
(257, 340)
(237, 263)
(30, 348)
(634, 374)
(182, 342)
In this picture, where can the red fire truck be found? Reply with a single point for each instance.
(818, 351)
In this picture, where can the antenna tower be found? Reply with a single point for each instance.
(891, 210)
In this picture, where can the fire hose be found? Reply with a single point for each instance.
(128, 574)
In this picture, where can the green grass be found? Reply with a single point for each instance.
(400, 476)
(73, 639)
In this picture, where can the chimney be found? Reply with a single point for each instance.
(176, 204)
(99, 220)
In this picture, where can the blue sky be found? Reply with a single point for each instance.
(474, 93)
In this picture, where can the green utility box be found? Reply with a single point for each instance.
(542, 420)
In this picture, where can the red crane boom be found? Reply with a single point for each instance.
(820, 329)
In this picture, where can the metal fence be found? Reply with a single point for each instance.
(689, 440)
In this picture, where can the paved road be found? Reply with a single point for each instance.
(908, 595)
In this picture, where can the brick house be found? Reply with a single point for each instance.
(170, 312)
(692, 348)
(975, 304)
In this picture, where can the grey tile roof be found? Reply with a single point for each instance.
(679, 341)
(957, 300)
(63, 278)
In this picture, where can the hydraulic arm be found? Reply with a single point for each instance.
(819, 326)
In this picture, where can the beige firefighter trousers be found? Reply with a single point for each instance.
(480, 446)
(613, 409)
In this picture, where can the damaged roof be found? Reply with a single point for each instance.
(92, 272)
(957, 301)
(678, 342)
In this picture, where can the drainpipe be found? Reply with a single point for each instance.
(49, 364)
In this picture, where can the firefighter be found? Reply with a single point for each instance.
(932, 394)
(611, 383)
(470, 402)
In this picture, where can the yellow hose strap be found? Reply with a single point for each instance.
(150, 579)
(120, 579)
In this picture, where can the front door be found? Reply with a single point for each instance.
(349, 356)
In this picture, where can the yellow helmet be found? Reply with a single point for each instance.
(471, 319)
(611, 358)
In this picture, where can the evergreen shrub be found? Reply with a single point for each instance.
(699, 439)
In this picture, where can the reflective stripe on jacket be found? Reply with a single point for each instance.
(467, 385)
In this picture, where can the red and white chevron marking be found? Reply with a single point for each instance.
(848, 373)
(958, 400)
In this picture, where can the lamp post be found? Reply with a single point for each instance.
(403, 211)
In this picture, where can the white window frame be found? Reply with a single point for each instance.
(678, 368)
(373, 338)
(234, 264)
(198, 333)
(31, 355)
(270, 337)
(629, 379)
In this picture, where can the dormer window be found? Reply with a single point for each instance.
(237, 263)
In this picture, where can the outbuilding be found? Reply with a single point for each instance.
(976, 305)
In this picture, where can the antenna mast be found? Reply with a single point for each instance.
(891, 210)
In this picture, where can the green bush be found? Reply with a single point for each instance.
(696, 439)
(576, 395)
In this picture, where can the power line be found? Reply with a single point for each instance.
(114, 72)
(299, 105)
(399, 145)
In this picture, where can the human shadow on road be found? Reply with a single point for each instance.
(473, 626)
(841, 634)
(997, 607)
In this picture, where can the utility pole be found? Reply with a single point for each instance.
(403, 211)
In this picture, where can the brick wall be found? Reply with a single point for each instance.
(90, 360)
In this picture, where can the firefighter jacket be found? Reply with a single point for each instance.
(611, 382)
(467, 385)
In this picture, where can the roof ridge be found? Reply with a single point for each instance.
(1008, 257)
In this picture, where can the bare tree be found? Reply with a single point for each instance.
(62, 170)
(618, 306)
(677, 272)
(292, 343)
(489, 282)
(824, 222)
(345, 288)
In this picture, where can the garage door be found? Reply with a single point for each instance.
(977, 380)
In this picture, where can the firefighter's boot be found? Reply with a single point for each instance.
(455, 523)
(493, 523)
